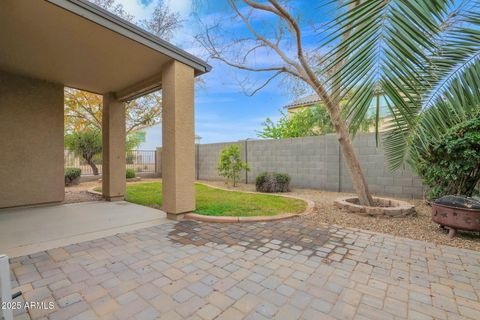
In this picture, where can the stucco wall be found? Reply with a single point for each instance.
(31, 141)
(316, 162)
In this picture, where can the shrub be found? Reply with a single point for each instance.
(230, 165)
(272, 182)
(72, 175)
(130, 173)
(453, 165)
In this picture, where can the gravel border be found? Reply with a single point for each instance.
(79, 193)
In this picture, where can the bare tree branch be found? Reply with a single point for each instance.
(300, 54)
(266, 82)
(215, 54)
(163, 22)
(267, 42)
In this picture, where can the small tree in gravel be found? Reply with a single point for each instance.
(230, 165)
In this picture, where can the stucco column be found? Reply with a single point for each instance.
(113, 135)
(178, 140)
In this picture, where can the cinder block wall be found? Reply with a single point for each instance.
(315, 162)
(207, 159)
(31, 141)
(381, 180)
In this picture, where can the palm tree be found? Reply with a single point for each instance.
(424, 55)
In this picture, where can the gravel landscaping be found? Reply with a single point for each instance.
(78, 193)
(419, 227)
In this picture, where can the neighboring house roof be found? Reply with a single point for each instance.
(304, 102)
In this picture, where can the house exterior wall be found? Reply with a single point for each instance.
(293, 110)
(31, 141)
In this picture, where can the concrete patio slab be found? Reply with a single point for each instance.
(29, 230)
(292, 269)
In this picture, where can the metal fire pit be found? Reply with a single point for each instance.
(457, 213)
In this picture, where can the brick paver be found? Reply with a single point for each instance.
(275, 270)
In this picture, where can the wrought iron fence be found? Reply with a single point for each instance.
(139, 160)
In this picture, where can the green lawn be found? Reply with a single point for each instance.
(215, 202)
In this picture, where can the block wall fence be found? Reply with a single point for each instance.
(314, 162)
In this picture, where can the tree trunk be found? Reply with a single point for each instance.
(354, 167)
(94, 167)
(351, 160)
(332, 103)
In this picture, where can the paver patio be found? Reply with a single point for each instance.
(290, 269)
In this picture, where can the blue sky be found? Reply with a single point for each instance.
(223, 111)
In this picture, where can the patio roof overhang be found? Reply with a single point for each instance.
(80, 45)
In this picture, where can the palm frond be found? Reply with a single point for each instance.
(457, 48)
(459, 102)
(420, 54)
(387, 45)
(451, 88)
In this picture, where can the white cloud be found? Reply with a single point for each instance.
(137, 9)
(141, 11)
(184, 7)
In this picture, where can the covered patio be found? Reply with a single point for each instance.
(49, 45)
(26, 231)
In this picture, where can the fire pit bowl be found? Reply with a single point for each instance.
(457, 213)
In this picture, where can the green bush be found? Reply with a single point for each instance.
(453, 166)
(72, 175)
(272, 182)
(130, 173)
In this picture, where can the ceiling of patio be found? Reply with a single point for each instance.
(81, 46)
